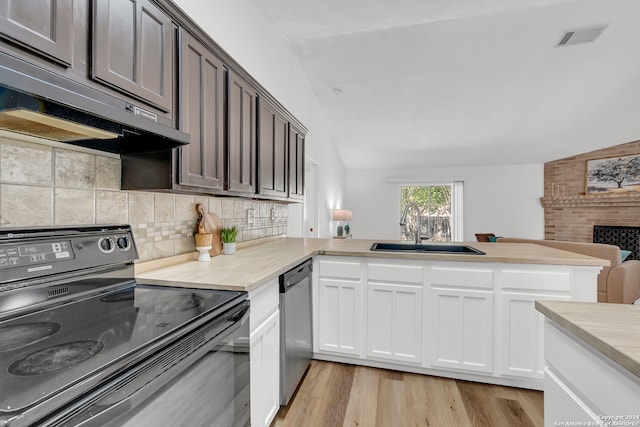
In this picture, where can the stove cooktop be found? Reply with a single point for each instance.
(47, 351)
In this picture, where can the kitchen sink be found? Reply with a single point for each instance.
(430, 248)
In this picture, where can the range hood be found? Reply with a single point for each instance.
(37, 102)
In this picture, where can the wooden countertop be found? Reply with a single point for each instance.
(611, 329)
(253, 266)
(525, 253)
(246, 270)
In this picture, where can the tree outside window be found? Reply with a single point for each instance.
(435, 209)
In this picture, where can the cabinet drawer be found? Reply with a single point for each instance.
(590, 375)
(462, 277)
(338, 269)
(395, 273)
(547, 280)
(264, 301)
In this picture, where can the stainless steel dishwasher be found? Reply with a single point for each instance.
(295, 328)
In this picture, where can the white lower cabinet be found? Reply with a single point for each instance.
(339, 316)
(265, 354)
(522, 338)
(338, 285)
(394, 322)
(474, 320)
(462, 329)
(521, 344)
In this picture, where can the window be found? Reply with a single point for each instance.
(440, 211)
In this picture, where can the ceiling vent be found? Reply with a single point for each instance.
(581, 36)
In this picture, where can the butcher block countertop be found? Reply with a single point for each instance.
(611, 329)
(252, 266)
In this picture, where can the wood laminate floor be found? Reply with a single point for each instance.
(334, 394)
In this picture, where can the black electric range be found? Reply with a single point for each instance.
(72, 315)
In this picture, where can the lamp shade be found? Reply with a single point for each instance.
(341, 215)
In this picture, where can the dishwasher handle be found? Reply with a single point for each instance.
(295, 275)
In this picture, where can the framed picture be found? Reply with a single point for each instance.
(613, 175)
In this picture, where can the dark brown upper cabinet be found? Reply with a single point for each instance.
(273, 138)
(202, 115)
(296, 163)
(242, 136)
(45, 27)
(133, 43)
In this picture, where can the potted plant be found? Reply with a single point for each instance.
(228, 237)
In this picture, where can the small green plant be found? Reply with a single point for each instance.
(228, 234)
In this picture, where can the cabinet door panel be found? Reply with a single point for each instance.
(272, 143)
(462, 329)
(242, 136)
(133, 50)
(202, 115)
(265, 371)
(296, 164)
(522, 343)
(45, 26)
(339, 310)
(394, 322)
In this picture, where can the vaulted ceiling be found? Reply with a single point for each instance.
(419, 83)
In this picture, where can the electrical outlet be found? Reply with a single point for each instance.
(273, 214)
(251, 216)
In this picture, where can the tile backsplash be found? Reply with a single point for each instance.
(42, 185)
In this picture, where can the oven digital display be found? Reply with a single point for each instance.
(35, 254)
(46, 251)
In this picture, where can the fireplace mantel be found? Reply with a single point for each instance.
(591, 200)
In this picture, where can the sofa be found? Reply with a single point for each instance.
(618, 283)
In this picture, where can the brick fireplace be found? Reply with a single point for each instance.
(569, 213)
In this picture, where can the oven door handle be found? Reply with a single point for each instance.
(109, 403)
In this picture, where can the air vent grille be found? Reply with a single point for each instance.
(581, 36)
(56, 292)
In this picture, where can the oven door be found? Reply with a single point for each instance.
(201, 379)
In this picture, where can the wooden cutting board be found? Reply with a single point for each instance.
(212, 224)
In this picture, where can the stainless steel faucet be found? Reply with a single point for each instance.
(403, 220)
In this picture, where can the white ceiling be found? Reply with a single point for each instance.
(414, 83)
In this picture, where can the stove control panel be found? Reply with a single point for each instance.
(36, 252)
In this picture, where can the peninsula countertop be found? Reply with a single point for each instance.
(611, 329)
(253, 266)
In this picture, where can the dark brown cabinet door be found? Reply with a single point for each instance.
(133, 50)
(296, 163)
(44, 26)
(202, 115)
(273, 138)
(242, 136)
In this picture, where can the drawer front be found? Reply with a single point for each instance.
(264, 301)
(547, 280)
(395, 273)
(462, 277)
(339, 269)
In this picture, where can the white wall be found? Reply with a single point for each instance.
(504, 200)
(244, 32)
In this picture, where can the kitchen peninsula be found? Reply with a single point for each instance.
(464, 316)
(603, 340)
